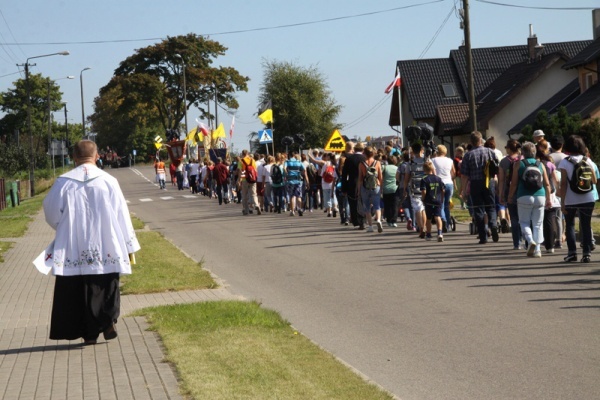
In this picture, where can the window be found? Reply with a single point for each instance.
(449, 90)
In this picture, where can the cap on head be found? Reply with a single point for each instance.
(538, 133)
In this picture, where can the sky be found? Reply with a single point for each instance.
(353, 43)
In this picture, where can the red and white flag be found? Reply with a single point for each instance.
(396, 83)
(204, 129)
(232, 127)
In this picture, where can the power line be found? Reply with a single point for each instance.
(11, 34)
(267, 28)
(381, 102)
(437, 33)
(537, 7)
(370, 112)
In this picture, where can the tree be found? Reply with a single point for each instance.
(590, 132)
(301, 103)
(164, 63)
(559, 124)
(125, 117)
(13, 103)
(13, 158)
(564, 124)
(144, 98)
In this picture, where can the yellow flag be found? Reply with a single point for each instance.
(266, 116)
(192, 135)
(158, 145)
(219, 132)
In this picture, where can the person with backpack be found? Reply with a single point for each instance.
(328, 174)
(432, 192)
(248, 178)
(531, 186)
(577, 180)
(369, 187)
(295, 175)
(412, 187)
(513, 150)
(278, 184)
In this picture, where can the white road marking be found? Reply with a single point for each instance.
(189, 196)
(145, 200)
(167, 198)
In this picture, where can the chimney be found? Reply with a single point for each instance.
(596, 23)
(535, 50)
(532, 43)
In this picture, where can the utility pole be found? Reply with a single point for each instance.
(66, 131)
(469, 60)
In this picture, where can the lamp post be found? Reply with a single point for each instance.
(28, 89)
(184, 93)
(82, 109)
(50, 149)
(66, 134)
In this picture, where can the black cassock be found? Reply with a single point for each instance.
(84, 305)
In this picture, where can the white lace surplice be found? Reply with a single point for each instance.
(94, 233)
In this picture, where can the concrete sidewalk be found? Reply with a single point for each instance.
(34, 367)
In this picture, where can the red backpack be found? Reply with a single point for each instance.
(251, 174)
(329, 174)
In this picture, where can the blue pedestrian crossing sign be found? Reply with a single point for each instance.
(265, 136)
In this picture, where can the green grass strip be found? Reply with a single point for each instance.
(15, 220)
(238, 350)
(162, 267)
(4, 246)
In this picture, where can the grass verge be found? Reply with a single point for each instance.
(4, 246)
(137, 223)
(162, 267)
(233, 349)
(15, 220)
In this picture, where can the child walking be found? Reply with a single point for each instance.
(432, 191)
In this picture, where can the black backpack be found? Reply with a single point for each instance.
(581, 177)
(532, 177)
(276, 174)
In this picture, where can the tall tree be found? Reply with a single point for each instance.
(164, 62)
(301, 103)
(13, 103)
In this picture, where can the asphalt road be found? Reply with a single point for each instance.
(425, 320)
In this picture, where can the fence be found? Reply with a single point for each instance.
(9, 193)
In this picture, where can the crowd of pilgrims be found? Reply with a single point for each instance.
(364, 186)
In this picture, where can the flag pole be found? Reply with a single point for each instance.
(400, 134)
(272, 130)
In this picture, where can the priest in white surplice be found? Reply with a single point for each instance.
(93, 243)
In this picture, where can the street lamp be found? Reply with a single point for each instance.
(82, 109)
(50, 149)
(184, 93)
(31, 161)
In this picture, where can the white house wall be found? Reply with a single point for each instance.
(534, 95)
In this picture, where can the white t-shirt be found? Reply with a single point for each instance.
(266, 173)
(260, 167)
(443, 168)
(572, 198)
(326, 185)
